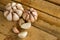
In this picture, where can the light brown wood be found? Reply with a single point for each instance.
(2, 37)
(55, 1)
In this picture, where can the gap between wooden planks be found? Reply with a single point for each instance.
(54, 1)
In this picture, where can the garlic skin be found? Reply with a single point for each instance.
(23, 34)
(15, 30)
(21, 21)
(13, 11)
(30, 15)
(26, 25)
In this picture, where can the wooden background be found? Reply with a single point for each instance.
(47, 27)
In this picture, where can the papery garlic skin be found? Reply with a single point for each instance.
(13, 11)
(15, 30)
(23, 34)
(26, 25)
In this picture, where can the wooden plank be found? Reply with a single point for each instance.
(4, 2)
(5, 25)
(54, 1)
(35, 34)
(45, 6)
(48, 19)
(2, 37)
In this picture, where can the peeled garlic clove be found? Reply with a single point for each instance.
(19, 12)
(5, 13)
(13, 4)
(19, 6)
(15, 30)
(21, 21)
(22, 34)
(9, 17)
(15, 17)
(26, 25)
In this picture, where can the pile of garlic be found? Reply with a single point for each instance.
(24, 18)
(13, 11)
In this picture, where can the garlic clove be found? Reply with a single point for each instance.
(14, 8)
(15, 30)
(13, 4)
(32, 18)
(35, 15)
(22, 34)
(26, 25)
(8, 8)
(19, 6)
(24, 15)
(9, 4)
(21, 21)
(9, 17)
(19, 12)
(5, 13)
(15, 17)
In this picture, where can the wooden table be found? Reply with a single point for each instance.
(47, 27)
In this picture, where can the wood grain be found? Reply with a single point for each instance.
(54, 1)
(45, 6)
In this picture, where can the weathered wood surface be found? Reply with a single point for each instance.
(47, 27)
(54, 1)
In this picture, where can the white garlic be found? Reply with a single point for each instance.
(15, 30)
(19, 12)
(15, 17)
(9, 17)
(23, 34)
(13, 4)
(26, 25)
(19, 6)
(13, 11)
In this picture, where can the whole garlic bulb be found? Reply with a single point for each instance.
(22, 34)
(13, 11)
(30, 15)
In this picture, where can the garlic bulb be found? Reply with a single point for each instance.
(26, 25)
(13, 11)
(15, 30)
(30, 15)
(22, 34)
